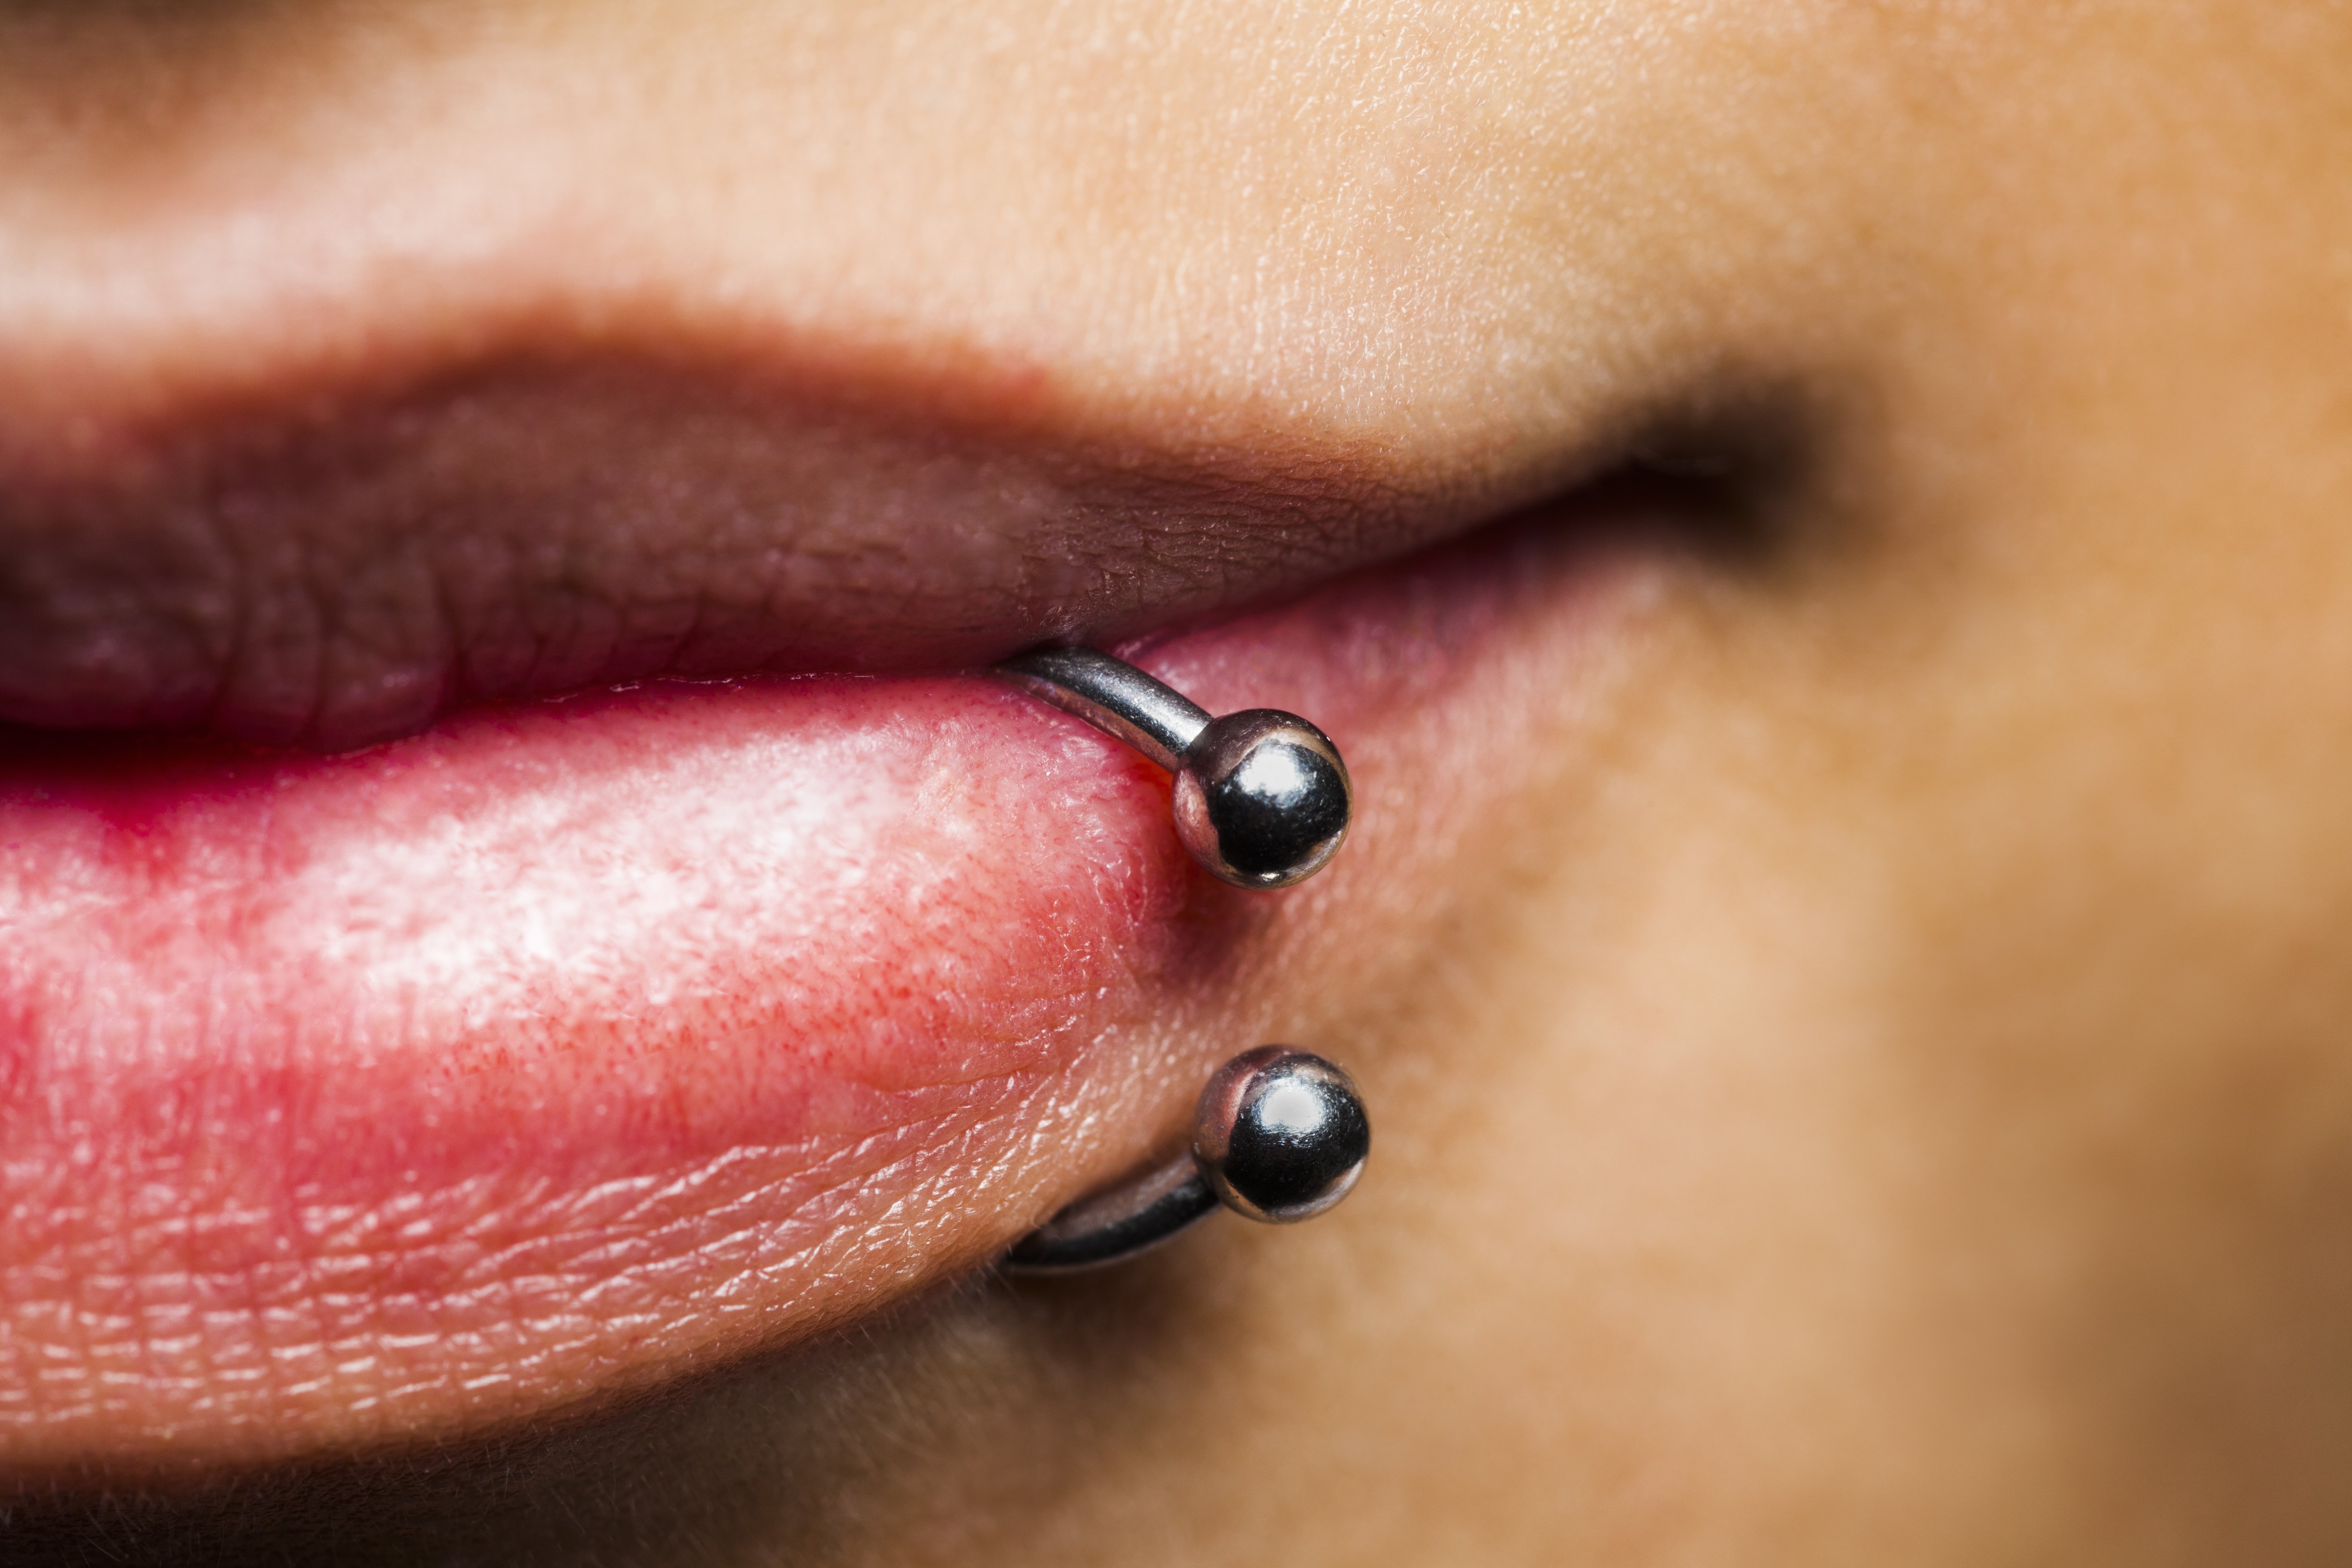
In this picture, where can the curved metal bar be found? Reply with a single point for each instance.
(1115, 1226)
(1261, 797)
(1279, 1135)
(1114, 697)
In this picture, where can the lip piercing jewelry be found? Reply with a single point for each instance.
(1279, 1135)
(1262, 801)
(1262, 797)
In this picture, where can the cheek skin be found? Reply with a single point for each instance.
(1877, 1095)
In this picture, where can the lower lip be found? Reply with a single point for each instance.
(535, 1057)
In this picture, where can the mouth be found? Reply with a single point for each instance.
(516, 890)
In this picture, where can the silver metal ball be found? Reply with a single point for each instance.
(1280, 1134)
(1262, 798)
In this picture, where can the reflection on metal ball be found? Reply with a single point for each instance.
(1280, 1134)
(1262, 798)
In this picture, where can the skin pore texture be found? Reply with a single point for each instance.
(1818, 527)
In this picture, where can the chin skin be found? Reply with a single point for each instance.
(1855, 1039)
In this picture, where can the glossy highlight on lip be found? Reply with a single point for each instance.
(498, 1051)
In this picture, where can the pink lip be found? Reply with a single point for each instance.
(561, 1047)
(472, 1040)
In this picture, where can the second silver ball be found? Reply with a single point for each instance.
(1280, 1134)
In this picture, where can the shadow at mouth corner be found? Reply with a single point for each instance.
(1745, 473)
(932, 1432)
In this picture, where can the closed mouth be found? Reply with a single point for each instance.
(515, 888)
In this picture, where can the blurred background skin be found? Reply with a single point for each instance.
(1867, 1083)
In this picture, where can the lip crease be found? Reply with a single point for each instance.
(567, 1045)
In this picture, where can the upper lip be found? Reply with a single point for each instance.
(332, 562)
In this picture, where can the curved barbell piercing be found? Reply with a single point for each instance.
(1262, 796)
(1279, 1135)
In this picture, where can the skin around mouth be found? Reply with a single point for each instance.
(568, 1045)
(1857, 1039)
